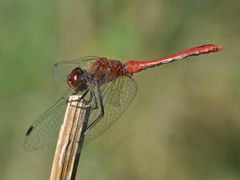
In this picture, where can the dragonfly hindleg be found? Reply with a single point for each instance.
(100, 116)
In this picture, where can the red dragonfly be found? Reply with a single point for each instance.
(108, 86)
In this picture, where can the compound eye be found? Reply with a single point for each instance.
(74, 79)
(75, 74)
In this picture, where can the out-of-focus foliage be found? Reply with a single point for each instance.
(185, 120)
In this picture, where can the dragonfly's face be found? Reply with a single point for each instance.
(77, 80)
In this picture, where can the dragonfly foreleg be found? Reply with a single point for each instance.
(80, 98)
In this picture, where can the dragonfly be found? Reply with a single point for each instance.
(108, 87)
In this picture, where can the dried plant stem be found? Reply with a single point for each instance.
(70, 140)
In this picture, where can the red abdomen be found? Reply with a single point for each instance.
(137, 66)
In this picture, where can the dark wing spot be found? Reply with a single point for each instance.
(29, 130)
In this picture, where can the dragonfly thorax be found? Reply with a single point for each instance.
(77, 80)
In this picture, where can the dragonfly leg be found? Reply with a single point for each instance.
(82, 97)
(101, 113)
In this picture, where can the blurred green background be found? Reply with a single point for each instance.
(185, 120)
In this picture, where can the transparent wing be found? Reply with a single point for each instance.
(62, 69)
(117, 96)
(46, 128)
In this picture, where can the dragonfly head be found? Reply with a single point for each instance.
(77, 80)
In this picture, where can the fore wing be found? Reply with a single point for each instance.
(46, 128)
